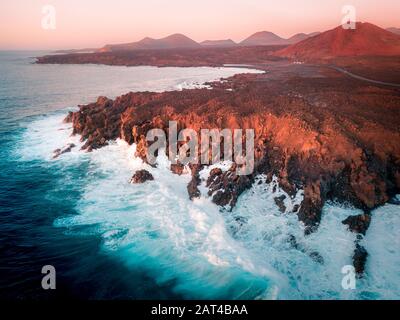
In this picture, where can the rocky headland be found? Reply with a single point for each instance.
(333, 137)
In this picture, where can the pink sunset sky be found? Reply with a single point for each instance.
(91, 23)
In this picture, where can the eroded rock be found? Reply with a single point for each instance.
(177, 168)
(360, 259)
(280, 202)
(66, 149)
(359, 223)
(226, 187)
(142, 176)
(193, 185)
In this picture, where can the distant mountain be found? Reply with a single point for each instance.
(263, 38)
(180, 41)
(173, 41)
(366, 39)
(394, 30)
(266, 38)
(218, 43)
(300, 37)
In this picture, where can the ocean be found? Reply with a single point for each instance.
(108, 239)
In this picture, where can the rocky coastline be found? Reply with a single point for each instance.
(332, 137)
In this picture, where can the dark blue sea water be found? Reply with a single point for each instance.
(31, 197)
(108, 239)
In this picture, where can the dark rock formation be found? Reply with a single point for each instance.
(360, 259)
(141, 176)
(394, 200)
(59, 152)
(226, 187)
(192, 187)
(279, 201)
(296, 208)
(358, 224)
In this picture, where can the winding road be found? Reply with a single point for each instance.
(344, 71)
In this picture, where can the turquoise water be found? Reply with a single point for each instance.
(109, 239)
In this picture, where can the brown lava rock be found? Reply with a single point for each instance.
(358, 224)
(360, 259)
(141, 176)
(279, 201)
(177, 168)
(226, 187)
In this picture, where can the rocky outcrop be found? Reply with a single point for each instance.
(193, 186)
(66, 149)
(279, 201)
(358, 224)
(360, 259)
(226, 187)
(177, 168)
(142, 176)
(333, 137)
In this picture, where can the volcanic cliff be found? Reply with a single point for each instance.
(335, 138)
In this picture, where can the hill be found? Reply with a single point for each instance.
(263, 38)
(366, 40)
(174, 41)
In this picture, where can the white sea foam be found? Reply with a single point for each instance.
(45, 135)
(266, 231)
(383, 245)
(174, 238)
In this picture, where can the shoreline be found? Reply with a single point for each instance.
(317, 191)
